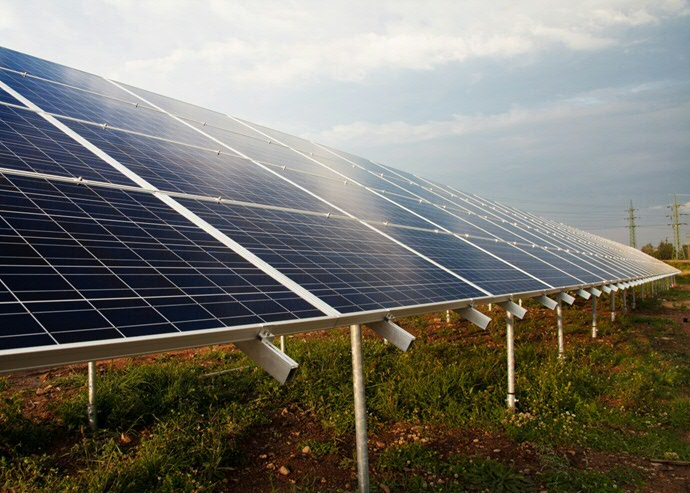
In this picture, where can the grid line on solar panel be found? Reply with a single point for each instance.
(595, 258)
(415, 217)
(111, 259)
(28, 142)
(506, 235)
(384, 221)
(215, 152)
(563, 246)
(177, 168)
(565, 241)
(99, 109)
(421, 190)
(342, 262)
(222, 116)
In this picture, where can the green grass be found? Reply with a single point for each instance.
(165, 428)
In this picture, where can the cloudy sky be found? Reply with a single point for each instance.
(566, 109)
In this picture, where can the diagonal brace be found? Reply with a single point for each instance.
(393, 333)
(547, 302)
(513, 308)
(583, 294)
(474, 316)
(265, 354)
(565, 297)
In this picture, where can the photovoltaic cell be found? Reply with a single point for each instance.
(29, 143)
(179, 168)
(473, 264)
(119, 110)
(27, 64)
(341, 261)
(121, 264)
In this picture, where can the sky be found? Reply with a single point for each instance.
(566, 109)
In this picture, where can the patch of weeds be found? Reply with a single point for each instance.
(416, 467)
(17, 432)
(32, 473)
(319, 448)
(187, 451)
(410, 456)
(139, 394)
(576, 481)
(496, 477)
(479, 473)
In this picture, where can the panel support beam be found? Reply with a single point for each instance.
(563, 296)
(513, 308)
(393, 333)
(360, 409)
(474, 316)
(547, 302)
(265, 354)
(91, 406)
(612, 296)
(583, 294)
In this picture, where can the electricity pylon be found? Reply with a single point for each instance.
(678, 252)
(631, 225)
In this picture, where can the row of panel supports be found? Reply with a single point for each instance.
(280, 366)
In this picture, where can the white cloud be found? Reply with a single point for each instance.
(365, 133)
(276, 45)
(605, 102)
(8, 19)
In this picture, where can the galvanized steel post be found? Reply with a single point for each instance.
(633, 305)
(360, 409)
(510, 342)
(282, 343)
(559, 319)
(91, 407)
(594, 317)
(624, 297)
(613, 305)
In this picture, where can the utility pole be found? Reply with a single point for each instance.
(678, 252)
(631, 225)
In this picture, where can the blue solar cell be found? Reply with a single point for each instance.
(80, 281)
(488, 272)
(184, 169)
(30, 143)
(23, 63)
(6, 97)
(341, 261)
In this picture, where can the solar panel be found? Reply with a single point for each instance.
(95, 264)
(133, 222)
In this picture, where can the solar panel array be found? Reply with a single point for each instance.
(128, 216)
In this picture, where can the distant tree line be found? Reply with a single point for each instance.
(664, 251)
